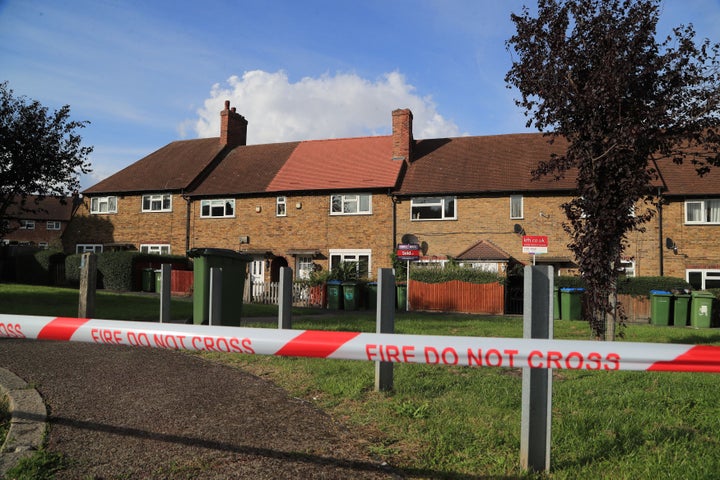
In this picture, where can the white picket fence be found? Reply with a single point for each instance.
(269, 293)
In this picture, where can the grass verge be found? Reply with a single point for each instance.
(464, 423)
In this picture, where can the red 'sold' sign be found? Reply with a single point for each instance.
(408, 251)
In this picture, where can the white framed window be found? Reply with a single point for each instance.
(304, 266)
(699, 212)
(161, 202)
(627, 267)
(516, 207)
(43, 245)
(351, 204)
(281, 206)
(433, 208)
(362, 259)
(103, 205)
(53, 225)
(27, 224)
(155, 248)
(224, 208)
(88, 248)
(702, 279)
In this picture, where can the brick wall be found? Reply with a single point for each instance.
(309, 227)
(130, 225)
(40, 234)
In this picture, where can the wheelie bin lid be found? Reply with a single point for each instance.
(660, 292)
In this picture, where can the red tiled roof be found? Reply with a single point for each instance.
(246, 169)
(49, 208)
(172, 167)
(350, 163)
(497, 163)
(484, 250)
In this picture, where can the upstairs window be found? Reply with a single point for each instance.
(157, 203)
(699, 212)
(516, 207)
(433, 208)
(217, 208)
(27, 224)
(103, 205)
(53, 225)
(351, 204)
(281, 206)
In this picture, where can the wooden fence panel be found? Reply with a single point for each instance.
(181, 282)
(456, 296)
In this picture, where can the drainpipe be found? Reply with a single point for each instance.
(394, 222)
(187, 222)
(660, 232)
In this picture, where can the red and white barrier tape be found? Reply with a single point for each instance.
(429, 349)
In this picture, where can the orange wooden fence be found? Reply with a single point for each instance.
(181, 282)
(456, 296)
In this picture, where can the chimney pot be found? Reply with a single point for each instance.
(233, 127)
(402, 137)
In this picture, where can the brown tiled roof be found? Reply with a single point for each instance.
(349, 163)
(49, 208)
(683, 179)
(497, 163)
(173, 167)
(484, 250)
(246, 169)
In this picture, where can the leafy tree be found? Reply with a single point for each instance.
(40, 152)
(592, 73)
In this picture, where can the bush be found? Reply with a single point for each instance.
(447, 274)
(35, 268)
(636, 286)
(116, 270)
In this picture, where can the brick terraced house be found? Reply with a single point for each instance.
(312, 204)
(39, 222)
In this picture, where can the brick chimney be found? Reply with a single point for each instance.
(233, 127)
(402, 136)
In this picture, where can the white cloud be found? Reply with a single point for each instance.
(339, 106)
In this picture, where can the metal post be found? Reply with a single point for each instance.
(215, 313)
(88, 284)
(285, 299)
(385, 323)
(165, 284)
(536, 416)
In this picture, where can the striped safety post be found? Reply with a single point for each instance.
(397, 348)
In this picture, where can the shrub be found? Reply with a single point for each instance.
(34, 268)
(447, 274)
(116, 270)
(636, 286)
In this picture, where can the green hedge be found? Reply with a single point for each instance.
(35, 268)
(637, 286)
(447, 274)
(116, 270)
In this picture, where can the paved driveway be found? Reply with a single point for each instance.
(120, 412)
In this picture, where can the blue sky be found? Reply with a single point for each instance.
(145, 73)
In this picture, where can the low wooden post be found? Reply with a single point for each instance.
(285, 299)
(88, 285)
(536, 418)
(165, 284)
(385, 323)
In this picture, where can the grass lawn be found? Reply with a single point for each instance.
(464, 423)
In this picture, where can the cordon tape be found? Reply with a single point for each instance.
(428, 349)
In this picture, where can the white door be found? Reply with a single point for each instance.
(257, 278)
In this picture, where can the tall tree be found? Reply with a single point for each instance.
(40, 152)
(593, 72)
